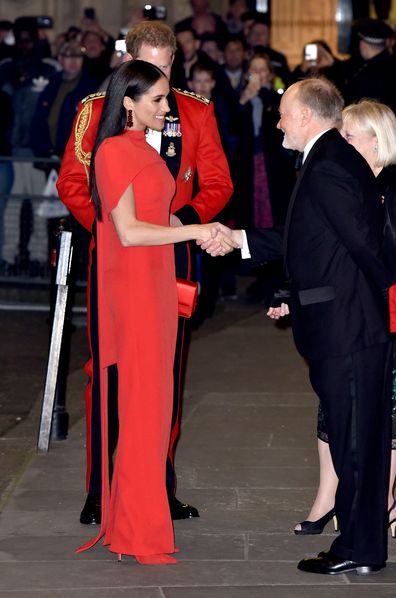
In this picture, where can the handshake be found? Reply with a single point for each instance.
(220, 239)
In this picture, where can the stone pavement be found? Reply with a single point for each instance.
(246, 458)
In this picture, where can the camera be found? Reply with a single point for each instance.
(44, 22)
(154, 13)
(311, 52)
(89, 13)
(120, 47)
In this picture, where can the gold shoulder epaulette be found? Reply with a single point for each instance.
(94, 96)
(191, 94)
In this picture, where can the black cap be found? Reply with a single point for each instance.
(26, 24)
(374, 31)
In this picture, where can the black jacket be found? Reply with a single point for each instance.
(333, 253)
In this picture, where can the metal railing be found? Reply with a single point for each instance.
(30, 223)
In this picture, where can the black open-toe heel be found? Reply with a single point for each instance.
(317, 527)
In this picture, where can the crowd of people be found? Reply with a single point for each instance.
(227, 59)
(246, 114)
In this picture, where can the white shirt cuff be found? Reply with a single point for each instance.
(245, 252)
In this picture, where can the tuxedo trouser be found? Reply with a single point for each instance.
(355, 393)
(94, 460)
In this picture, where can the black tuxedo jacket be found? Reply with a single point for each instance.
(332, 250)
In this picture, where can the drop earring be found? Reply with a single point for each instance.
(130, 119)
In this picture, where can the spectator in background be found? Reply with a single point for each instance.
(265, 173)
(325, 64)
(97, 55)
(233, 19)
(93, 24)
(203, 20)
(266, 168)
(71, 34)
(258, 40)
(372, 73)
(234, 63)
(43, 24)
(24, 77)
(203, 81)
(248, 19)
(6, 168)
(52, 124)
(7, 40)
(99, 47)
(211, 46)
(188, 54)
(57, 104)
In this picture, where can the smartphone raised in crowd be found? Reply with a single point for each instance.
(44, 22)
(311, 52)
(120, 47)
(154, 13)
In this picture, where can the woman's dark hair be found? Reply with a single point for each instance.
(132, 79)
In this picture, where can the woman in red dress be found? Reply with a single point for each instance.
(137, 304)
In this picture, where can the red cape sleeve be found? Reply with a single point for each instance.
(116, 166)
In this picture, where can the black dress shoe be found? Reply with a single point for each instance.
(92, 511)
(181, 510)
(329, 563)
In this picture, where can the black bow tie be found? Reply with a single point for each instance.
(299, 161)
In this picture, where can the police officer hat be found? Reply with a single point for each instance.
(374, 31)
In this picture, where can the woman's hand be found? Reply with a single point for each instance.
(251, 90)
(219, 242)
(205, 232)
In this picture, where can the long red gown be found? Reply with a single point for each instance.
(137, 330)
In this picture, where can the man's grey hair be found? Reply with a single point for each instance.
(322, 97)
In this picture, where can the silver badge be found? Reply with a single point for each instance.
(186, 176)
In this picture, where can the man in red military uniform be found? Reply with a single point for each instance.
(189, 144)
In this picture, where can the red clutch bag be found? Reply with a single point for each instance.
(187, 293)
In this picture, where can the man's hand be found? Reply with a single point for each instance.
(278, 312)
(224, 240)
